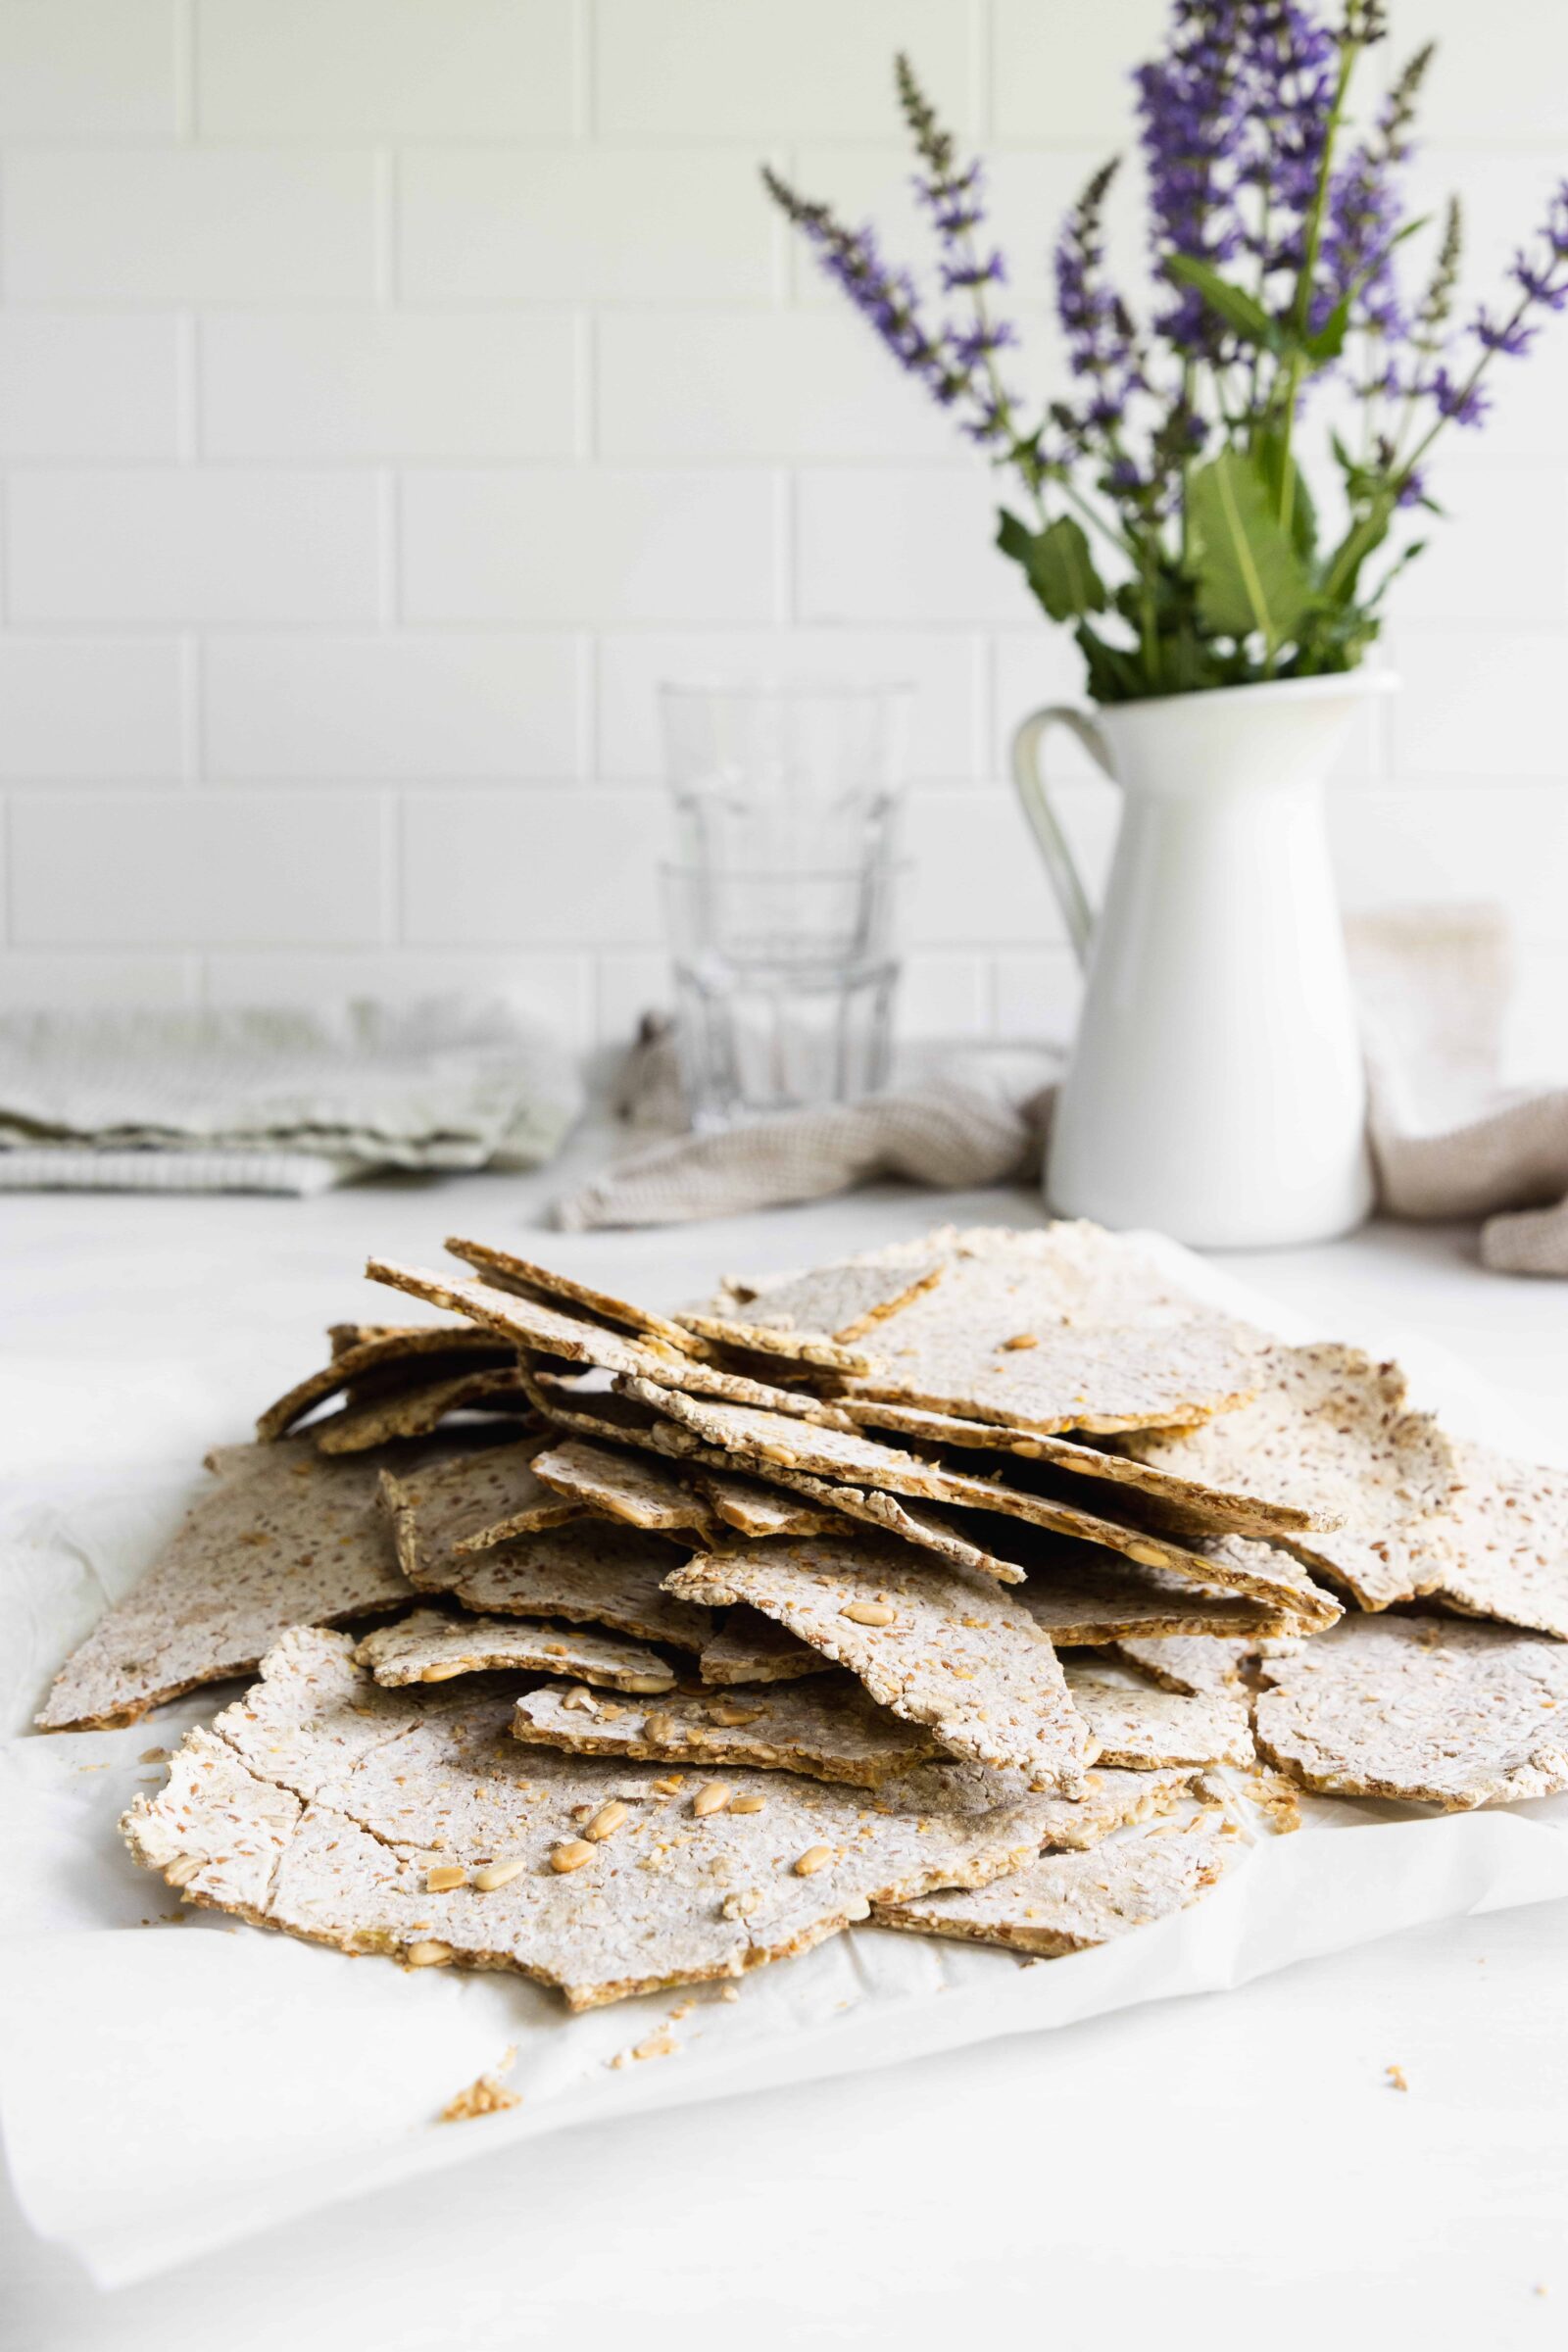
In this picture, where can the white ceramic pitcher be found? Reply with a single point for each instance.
(1217, 1090)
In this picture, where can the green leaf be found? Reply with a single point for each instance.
(1250, 577)
(1275, 462)
(1057, 564)
(1240, 314)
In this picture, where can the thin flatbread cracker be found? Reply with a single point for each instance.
(541, 1330)
(769, 1444)
(1087, 1599)
(466, 1503)
(590, 1572)
(1143, 1729)
(1202, 1666)
(415, 1412)
(1328, 1426)
(1499, 1546)
(1436, 1710)
(828, 1729)
(506, 1272)
(753, 1509)
(748, 1647)
(633, 1487)
(278, 1537)
(328, 1823)
(1069, 1902)
(1067, 1328)
(936, 1644)
(1186, 1505)
(791, 1347)
(429, 1646)
(375, 1347)
(842, 1302)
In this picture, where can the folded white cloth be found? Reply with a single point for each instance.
(274, 1100)
(1447, 1140)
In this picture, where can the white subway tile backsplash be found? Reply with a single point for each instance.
(978, 875)
(607, 545)
(90, 707)
(179, 544)
(759, 385)
(81, 981)
(944, 995)
(186, 225)
(315, 708)
(380, 384)
(1498, 554)
(943, 669)
(1062, 72)
(383, 68)
(79, 384)
(559, 224)
(1478, 702)
(1037, 993)
(171, 869)
(898, 546)
(504, 869)
(88, 69)
(556, 990)
(392, 394)
(750, 70)
(1496, 840)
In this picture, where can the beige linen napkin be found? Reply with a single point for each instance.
(1448, 1141)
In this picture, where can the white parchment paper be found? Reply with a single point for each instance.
(170, 2080)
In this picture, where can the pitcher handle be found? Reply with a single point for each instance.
(1060, 866)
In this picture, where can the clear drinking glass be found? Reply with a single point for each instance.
(782, 895)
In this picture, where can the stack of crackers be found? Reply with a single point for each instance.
(967, 1586)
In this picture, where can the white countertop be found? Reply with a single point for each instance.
(1233, 2168)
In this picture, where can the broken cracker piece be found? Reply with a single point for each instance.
(428, 1647)
(290, 1830)
(1068, 1902)
(1436, 1710)
(465, 1502)
(828, 1729)
(278, 1537)
(1328, 1427)
(748, 1648)
(1144, 1730)
(955, 1652)
(508, 1272)
(591, 1571)
(619, 1484)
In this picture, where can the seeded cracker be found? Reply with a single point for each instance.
(1433, 1709)
(278, 1538)
(465, 1504)
(415, 1412)
(768, 1443)
(1328, 1426)
(791, 1347)
(753, 1509)
(541, 1330)
(625, 1486)
(509, 1273)
(748, 1648)
(669, 1898)
(827, 1729)
(430, 1648)
(1144, 1730)
(842, 1302)
(1066, 1328)
(1185, 1506)
(1498, 1547)
(375, 1347)
(591, 1571)
(936, 1644)
(1068, 1902)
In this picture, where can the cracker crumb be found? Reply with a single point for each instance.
(153, 1755)
(487, 2095)
(1397, 2080)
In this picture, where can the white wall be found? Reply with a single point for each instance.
(392, 391)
